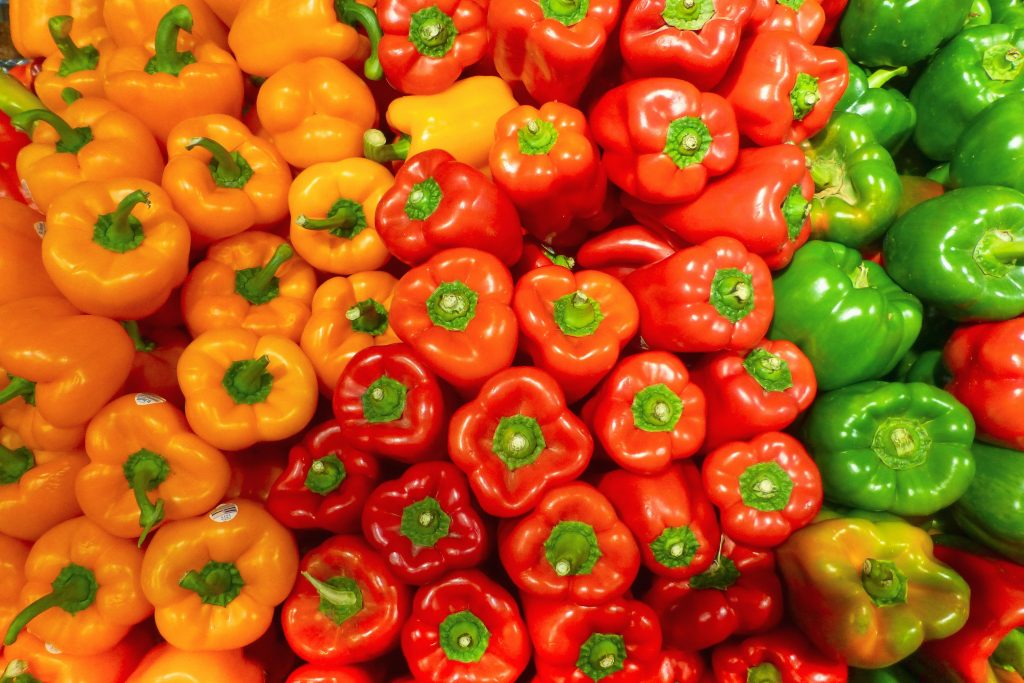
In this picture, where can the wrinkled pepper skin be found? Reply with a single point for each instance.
(989, 151)
(779, 655)
(880, 33)
(21, 265)
(166, 663)
(990, 511)
(887, 111)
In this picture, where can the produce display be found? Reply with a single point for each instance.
(512, 341)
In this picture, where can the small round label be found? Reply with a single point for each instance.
(40, 228)
(225, 512)
(148, 399)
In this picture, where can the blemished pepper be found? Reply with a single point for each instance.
(78, 66)
(166, 663)
(902, 33)
(887, 111)
(989, 151)
(779, 655)
(870, 592)
(133, 22)
(29, 23)
(990, 511)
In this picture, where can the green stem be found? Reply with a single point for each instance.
(423, 200)
(765, 486)
(463, 637)
(572, 549)
(804, 96)
(74, 58)
(656, 409)
(18, 387)
(537, 137)
(432, 32)
(884, 583)
(14, 463)
(353, 13)
(883, 76)
(260, 285)
(120, 231)
(217, 583)
(452, 306)
(340, 597)
(73, 590)
(577, 315)
(518, 441)
(376, 147)
(384, 400)
(142, 345)
(325, 474)
(602, 655)
(1010, 250)
(247, 381)
(675, 547)
(14, 97)
(770, 371)
(228, 169)
(70, 95)
(425, 522)
(345, 219)
(145, 470)
(71, 139)
(567, 12)
(17, 672)
(721, 575)
(764, 673)
(1009, 655)
(732, 294)
(166, 58)
(369, 317)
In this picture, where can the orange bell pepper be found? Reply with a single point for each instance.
(155, 366)
(240, 388)
(316, 110)
(21, 261)
(251, 281)
(45, 663)
(215, 580)
(13, 554)
(82, 592)
(333, 208)
(68, 364)
(168, 664)
(34, 429)
(223, 179)
(146, 466)
(116, 247)
(30, 31)
(164, 86)
(78, 66)
(37, 487)
(133, 22)
(349, 314)
(94, 140)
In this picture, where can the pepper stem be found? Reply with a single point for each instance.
(567, 12)
(14, 463)
(166, 58)
(142, 345)
(601, 655)
(73, 590)
(345, 219)
(325, 474)
(352, 13)
(1009, 250)
(518, 441)
(15, 98)
(423, 200)
(425, 522)
(18, 386)
(340, 597)
(572, 549)
(732, 294)
(119, 231)
(369, 317)
(71, 139)
(73, 58)
(884, 583)
(766, 486)
(217, 583)
(770, 371)
(463, 637)
(577, 315)
(883, 76)
(247, 381)
(376, 147)
(537, 137)
(260, 285)
(1009, 655)
(764, 673)
(384, 400)
(452, 306)
(145, 470)
(432, 32)
(228, 169)
(17, 672)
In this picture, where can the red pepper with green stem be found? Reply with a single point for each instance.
(155, 366)
(779, 656)
(11, 142)
(537, 255)
(620, 251)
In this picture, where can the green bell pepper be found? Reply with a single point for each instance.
(978, 67)
(900, 32)
(962, 252)
(992, 510)
(924, 366)
(844, 313)
(1010, 12)
(980, 14)
(887, 111)
(900, 448)
(991, 150)
(892, 674)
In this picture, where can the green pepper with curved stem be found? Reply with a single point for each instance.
(990, 151)
(900, 32)
(992, 510)
(887, 111)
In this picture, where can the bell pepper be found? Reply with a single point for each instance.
(154, 368)
(887, 111)
(538, 255)
(163, 86)
(455, 311)
(517, 440)
(979, 66)
(782, 89)
(574, 325)
(333, 206)
(959, 252)
(763, 202)
(46, 662)
(13, 554)
(681, 666)
(66, 365)
(347, 607)
(926, 366)
(241, 388)
(388, 402)
(546, 161)
(620, 251)
(251, 281)
(553, 48)
(21, 265)
(739, 593)
(851, 321)
(805, 18)
(316, 111)
(572, 547)
(917, 190)
(303, 30)
(870, 592)
(34, 430)
(987, 152)
(647, 413)
(465, 627)
(695, 42)
(779, 655)
(880, 33)
(133, 22)
(749, 393)
(669, 516)
(990, 512)
(706, 298)
(328, 673)
(255, 469)
(73, 65)
(68, 568)
(12, 141)
(425, 523)
(116, 247)
(166, 663)
(29, 23)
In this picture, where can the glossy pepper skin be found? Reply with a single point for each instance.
(155, 366)
(881, 575)
(37, 486)
(719, 294)
(988, 151)
(133, 22)
(782, 89)
(779, 655)
(989, 512)
(13, 554)
(11, 142)
(29, 23)
(79, 66)
(116, 664)
(681, 666)
(887, 111)
(959, 252)
(517, 440)
(33, 429)
(669, 516)
(805, 18)
(329, 673)
(438, 203)
(347, 607)
(863, 323)
(663, 138)
(877, 33)
(572, 547)
(21, 266)
(467, 628)
(620, 251)
(166, 663)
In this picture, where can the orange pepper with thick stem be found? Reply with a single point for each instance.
(349, 314)
(251, 281)
(30, 31)
(316, 111)
(240, 388)
(146, 466)
(21, 262)
(40, 660)
(333, 208)
(78, 66)
(215, 580)
(116, 248)
(133, 22)
(168, 664)
(164, 86)
(93, 140)
(13, 554)
(223, 179)
(155, 366)
(37, 487)
(82, 590)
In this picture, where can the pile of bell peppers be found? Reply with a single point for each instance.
(512, 341)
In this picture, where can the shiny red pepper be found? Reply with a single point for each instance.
(620, 251)
(11, 142)
(327, 673)
(805, 18)
(681, 666)
(537, 255)
(254, 470)
(833, 13)
(780, 655)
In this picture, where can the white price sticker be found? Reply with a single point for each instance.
(148, 399)
(224, 512)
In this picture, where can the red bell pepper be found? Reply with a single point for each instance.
(779, 655)
(670, 517)
(574, 325)
(465, 628)
(537, 255)
(706, 298)
(439, 203)
(764, 202)
(694, 40)
(805, 18)
(740, 593)
(663, 138)
(325, 484)
(427, 43)
(155, 366)
(455, 312)
(346, 607)
(765, 489)
(425, 523)
(517, 440)
(12, 141)
(552, 46)
(752, 392)
(618, 641)
(833, 13)
(546, 161)
(272, 654)
(572, 547)
(620, 251)
(327, 673)
(254, 470)
(680, 666)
